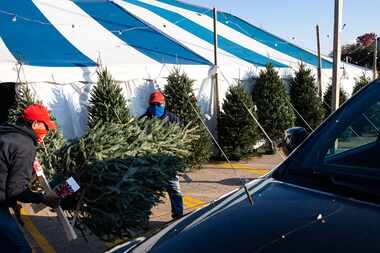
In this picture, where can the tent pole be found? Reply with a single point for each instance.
(319, 63)
(338, 10)
(375, 58)
(216, 82)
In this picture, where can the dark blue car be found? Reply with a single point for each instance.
(323, 198)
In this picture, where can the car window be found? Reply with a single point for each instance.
(358, 144)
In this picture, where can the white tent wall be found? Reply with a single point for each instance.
(68, 102)
(349, 74)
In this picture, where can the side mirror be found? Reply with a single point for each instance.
(293, 138)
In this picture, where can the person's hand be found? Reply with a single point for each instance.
(51, 199)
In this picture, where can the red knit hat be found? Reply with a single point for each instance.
(37, 112)
(157, 97)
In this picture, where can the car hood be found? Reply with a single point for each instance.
(283, 218)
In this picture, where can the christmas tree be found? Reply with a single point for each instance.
(273, 109)
(180, 99)
(362, 81)
(48, 153)
(305, 99)
(123, 170)
(107, 103)
(237, 130)
(24, 98)
(327, 97)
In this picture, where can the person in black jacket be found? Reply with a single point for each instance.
(157, 109)
(17, 154)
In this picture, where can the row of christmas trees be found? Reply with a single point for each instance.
(275, 108)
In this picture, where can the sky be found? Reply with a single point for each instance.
(295, 20)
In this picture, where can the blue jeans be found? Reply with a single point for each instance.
(175, 196)
(11, 237)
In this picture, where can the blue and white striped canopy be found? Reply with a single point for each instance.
(64, 33)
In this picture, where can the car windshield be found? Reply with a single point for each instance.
(357, 145)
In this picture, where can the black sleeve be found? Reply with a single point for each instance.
(145, 115)
(142, 116)
(20, 173)
(28, 196)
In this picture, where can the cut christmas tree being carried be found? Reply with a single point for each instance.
(123, 170)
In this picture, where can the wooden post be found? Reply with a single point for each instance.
(319, 63)
(375, 58)
(337, 54)
(216, 82)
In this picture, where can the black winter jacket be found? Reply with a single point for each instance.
(17, 153)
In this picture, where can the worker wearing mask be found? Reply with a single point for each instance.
(18, 151)
(157, 110)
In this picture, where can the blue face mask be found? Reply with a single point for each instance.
(157, 110)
